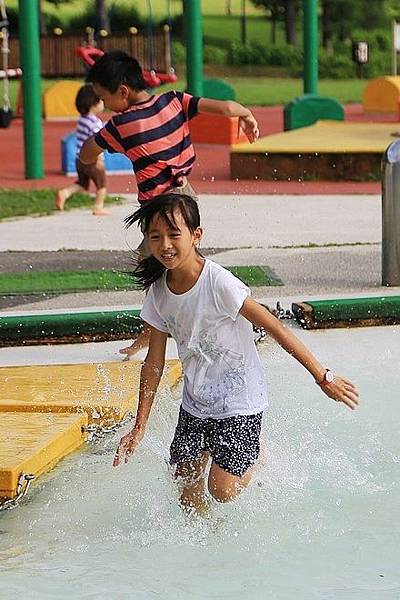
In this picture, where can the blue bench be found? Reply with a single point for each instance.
(116, 164)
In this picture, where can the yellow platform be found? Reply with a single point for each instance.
(34, 443)
(382, 94)
(325, 137)
(325, 151)
(104, 391)
(59, 100)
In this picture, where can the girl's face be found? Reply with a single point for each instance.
(173, 246)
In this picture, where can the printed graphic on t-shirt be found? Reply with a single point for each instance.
(218, 373)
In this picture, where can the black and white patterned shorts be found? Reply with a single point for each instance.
(234, 442)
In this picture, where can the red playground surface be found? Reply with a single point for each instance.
(210, 174)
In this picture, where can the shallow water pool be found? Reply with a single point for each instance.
(320, 520)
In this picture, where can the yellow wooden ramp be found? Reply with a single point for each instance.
(327, 150)
(32, 443)
(325, 136)
(104, 391)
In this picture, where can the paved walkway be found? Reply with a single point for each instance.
(318, 246)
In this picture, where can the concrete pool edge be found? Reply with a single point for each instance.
(52, 327)
(348, 312)
(62, 327)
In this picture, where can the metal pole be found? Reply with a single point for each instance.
(243, 32)
(31, 92)
(310, 10)
(194, 46)
(391, 215)
(394, 48)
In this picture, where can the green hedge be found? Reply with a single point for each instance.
(335, 65)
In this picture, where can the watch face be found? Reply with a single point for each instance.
(329, 376)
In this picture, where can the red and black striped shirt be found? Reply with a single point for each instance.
(155, 136)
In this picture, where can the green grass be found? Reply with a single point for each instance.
(40, 282)
(265, 91)
(21, 203)
(64, 282)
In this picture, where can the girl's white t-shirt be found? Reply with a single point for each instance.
(223, 375)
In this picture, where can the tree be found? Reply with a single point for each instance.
(341, 17)
(281, 10)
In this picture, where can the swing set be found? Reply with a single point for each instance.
(6, 114)
(89, 52)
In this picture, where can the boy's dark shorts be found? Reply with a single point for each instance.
(234, 442)
(87, 173)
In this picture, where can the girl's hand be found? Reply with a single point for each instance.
(127, 445)
(341, 390)
(250, 127)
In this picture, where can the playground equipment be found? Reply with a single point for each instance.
(89, 54)
(115, 163)
(59, 100)
(382, 94)
(6, 113)
(328, 150)
(309, 108)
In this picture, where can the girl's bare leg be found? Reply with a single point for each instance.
(142, 341)
(193, 491)
(98, 207)
(224, 486)
(63, 195)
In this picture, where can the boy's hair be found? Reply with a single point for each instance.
(116, 68)
(85, 99)
(148, 270)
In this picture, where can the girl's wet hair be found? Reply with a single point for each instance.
(147, 270)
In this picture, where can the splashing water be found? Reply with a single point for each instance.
(317, 522)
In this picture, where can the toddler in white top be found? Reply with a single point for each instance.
(209, 313)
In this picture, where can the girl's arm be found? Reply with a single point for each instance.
(339, 389)
(230, 108)
(150, 376)
(90, 151)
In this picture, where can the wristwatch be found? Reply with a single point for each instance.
(328, 378)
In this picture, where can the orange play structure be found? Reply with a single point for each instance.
(216, 129)
(382, 94)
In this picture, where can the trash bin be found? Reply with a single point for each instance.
(391, 215)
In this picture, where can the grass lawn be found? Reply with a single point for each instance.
(269, 91)
(40, 282)
(266, 91)
(20, 203)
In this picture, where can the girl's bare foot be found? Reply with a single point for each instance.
(100, 212)
(61, 198)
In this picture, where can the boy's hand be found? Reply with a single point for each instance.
(128, 445)
(250, 127)
(341, 390)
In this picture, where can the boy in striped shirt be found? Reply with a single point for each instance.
(89, 106)
(151, 130)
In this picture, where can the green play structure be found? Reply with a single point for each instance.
(310, 108)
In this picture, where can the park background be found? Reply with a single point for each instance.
(255, 45)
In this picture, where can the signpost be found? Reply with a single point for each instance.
(395, 46)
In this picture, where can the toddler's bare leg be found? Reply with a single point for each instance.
(193, 490)
(98, 208)
(63, 195)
